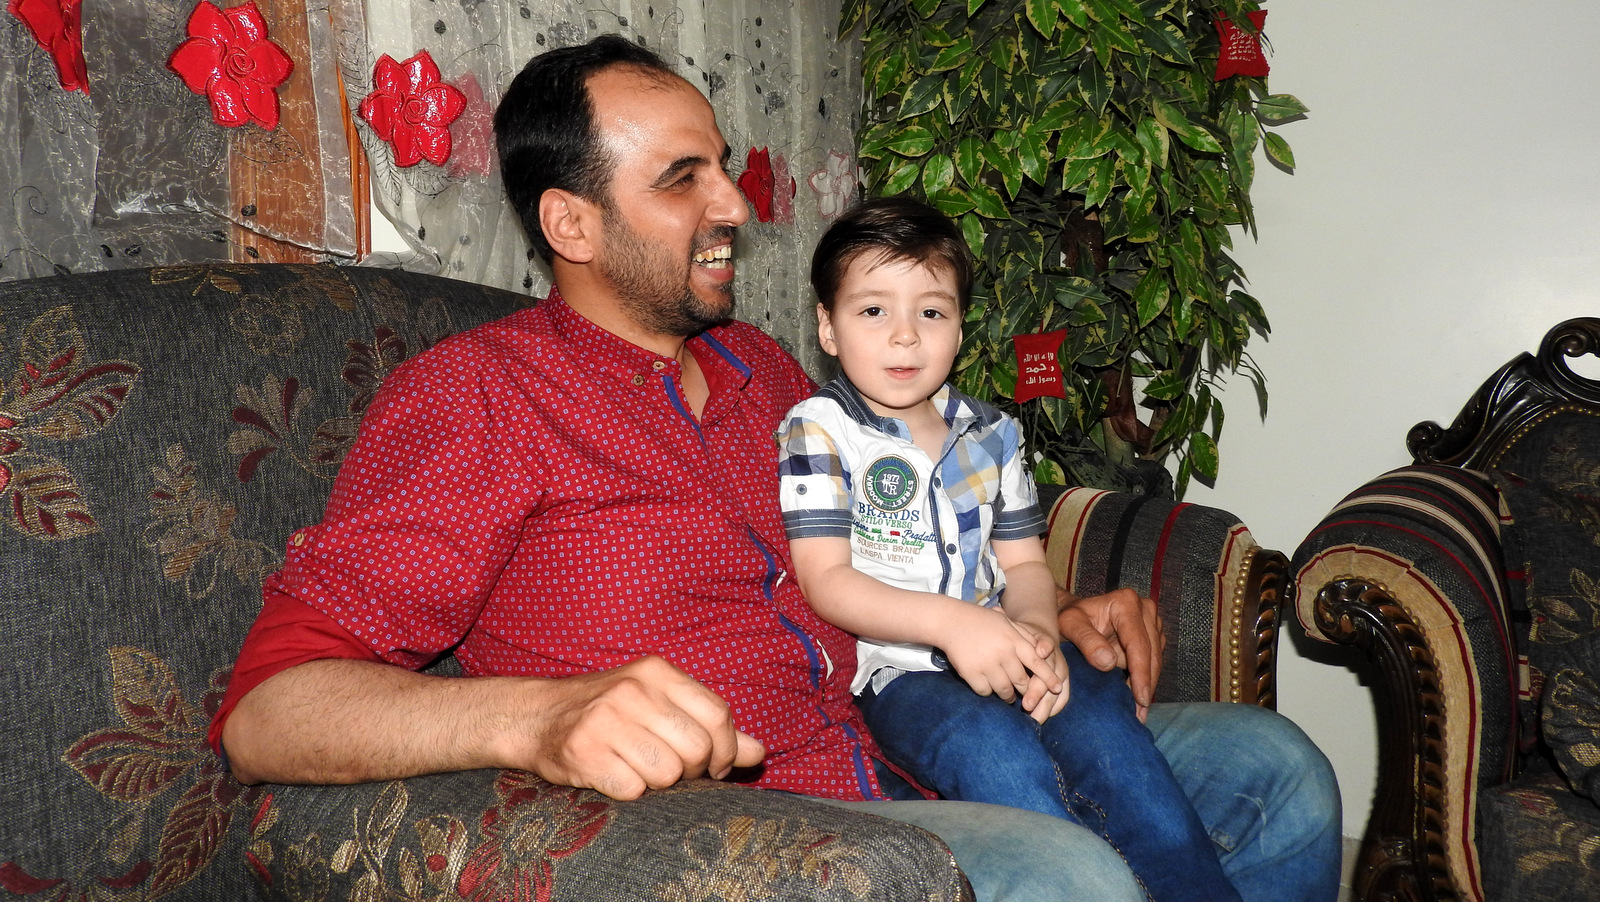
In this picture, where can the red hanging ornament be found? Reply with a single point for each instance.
(1241, 50)
(58, 27)
(230, 60)
(759, 184)
(412, 109)
(1038, 368)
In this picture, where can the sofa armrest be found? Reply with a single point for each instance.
(488, 835)
(1219, 593)
(1409, 568)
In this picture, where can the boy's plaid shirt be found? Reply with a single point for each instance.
(912, 522)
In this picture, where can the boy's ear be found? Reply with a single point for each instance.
(571, 225)
(825, 331)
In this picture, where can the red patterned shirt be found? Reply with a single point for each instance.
(536, 490)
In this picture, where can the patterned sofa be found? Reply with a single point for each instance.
(163, 431)
(1472, 579)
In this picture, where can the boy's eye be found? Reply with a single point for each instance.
(932, 313)
(872, 311)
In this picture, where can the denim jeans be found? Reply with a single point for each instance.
(1266, 794)
(1093, 764)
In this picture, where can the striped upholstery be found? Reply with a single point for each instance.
(1194, 561)
(1429, 539)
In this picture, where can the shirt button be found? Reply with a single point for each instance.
(659, 365)
(950, 549)
(799, 490)
(936, 482)
(299, 539)
(638, 378)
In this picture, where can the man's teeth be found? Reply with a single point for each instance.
(717, 256)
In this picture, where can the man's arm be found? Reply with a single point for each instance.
(1117, 629)
(643, 725)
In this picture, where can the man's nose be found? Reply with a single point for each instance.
(729, 206)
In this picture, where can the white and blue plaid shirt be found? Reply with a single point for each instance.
(913, 522)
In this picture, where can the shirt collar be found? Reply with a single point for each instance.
(960, 412)
(723, 369)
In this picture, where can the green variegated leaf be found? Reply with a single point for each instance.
(988, 202)
(968, 159)
(1279, 152)
(911, 141)
(938, 173)
(925, 94)
(902, 175)
(1102, 178)
(1204, 456)
(1048, 472)
(1153, 138)
(952, 56)
(1007, 164)
(972, 230)
(1279, 108)
(951, 201)
(1034, 156)
(1152, 296)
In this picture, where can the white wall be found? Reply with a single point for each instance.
(1442, 217)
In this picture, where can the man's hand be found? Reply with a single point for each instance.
(644, 725)
(1117, 630)
(994, 654)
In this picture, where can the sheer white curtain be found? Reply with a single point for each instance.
(776, 71)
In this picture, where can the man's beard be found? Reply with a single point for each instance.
(654, 287)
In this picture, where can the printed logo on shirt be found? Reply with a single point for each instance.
(891, 483)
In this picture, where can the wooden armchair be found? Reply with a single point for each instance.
(1453, 582)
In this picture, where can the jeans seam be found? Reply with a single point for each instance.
(1067, 795)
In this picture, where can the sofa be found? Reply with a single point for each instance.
(162, 432)
(1471, 579)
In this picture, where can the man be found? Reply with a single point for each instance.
(581, 500)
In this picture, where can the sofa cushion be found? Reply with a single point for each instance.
(1571, 723)
(1538, 842)
(1557, 527)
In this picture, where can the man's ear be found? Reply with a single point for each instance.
(571, 225)
(825, 331)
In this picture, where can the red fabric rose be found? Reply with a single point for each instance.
(1241, 50)
(410, 108)
(58, 27)
(229, 59)
(759, 184)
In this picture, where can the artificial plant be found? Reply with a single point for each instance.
(1096, 157)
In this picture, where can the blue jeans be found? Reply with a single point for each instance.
(1265, 792)
(1093, 764)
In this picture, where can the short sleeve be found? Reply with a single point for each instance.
(1017, 515)
(814, 487)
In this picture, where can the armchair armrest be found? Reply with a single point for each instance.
(1219, 592)
(1409, 568)
(507, 834)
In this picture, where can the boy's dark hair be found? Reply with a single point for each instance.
(545, 132)
(890, 228)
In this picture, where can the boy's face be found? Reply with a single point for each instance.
(896, 329)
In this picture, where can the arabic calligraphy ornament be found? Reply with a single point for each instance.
(1038, 368)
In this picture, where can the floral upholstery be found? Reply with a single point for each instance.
(163, 431)
(161, 434)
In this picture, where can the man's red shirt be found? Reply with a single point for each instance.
(535, 494)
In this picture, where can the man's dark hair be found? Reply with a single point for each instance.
(545, 132)
(890, 228)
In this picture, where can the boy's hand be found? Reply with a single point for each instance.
(1039, 699)
(996, 656)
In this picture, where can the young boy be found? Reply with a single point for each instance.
(914, 524)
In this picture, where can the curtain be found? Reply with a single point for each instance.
(108, 159)
(785, 88)
(156, 132)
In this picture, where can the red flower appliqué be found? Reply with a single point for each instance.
(1241, 50)
(412, 109)
(58, 27)
(762, 186)
(229, 59)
